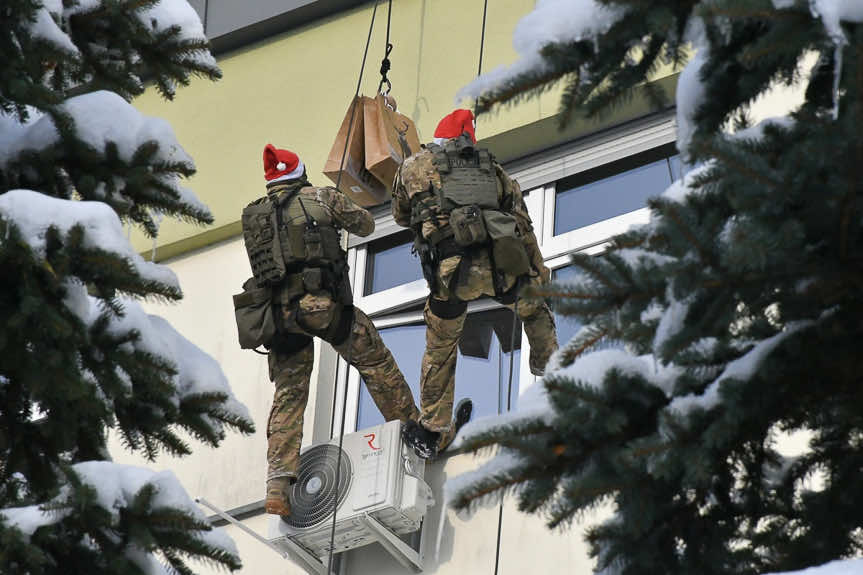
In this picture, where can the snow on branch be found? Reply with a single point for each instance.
(46, 28)
(116, 488)
(101, 118)
(159, 17)
(742, 368)
(168, 13)
(589, 369)
(846, 567)
(197, 372)
(551, 22)
(33, 213)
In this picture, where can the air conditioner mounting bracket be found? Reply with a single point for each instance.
(400, 550)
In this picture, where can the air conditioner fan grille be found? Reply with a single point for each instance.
(315, 490)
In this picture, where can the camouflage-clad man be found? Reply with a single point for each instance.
(293, 240)
(475, 238)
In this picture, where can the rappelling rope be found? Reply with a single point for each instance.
(481, 47)
(515, 325)
(351, 329)
(385, 63)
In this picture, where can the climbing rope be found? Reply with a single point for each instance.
(515, 306)
(385, 63)
(350, 340)
(481, 47)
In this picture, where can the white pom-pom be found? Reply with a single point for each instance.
(281, 166)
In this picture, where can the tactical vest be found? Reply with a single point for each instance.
(285, 233)
(469, 196)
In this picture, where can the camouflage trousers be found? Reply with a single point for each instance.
(291, 360)
(437, 380)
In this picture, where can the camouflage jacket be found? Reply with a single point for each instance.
(340, 208)
(418, 171)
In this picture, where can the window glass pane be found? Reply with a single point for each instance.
(567, 325)
(676, 167)
(586, 204)
(482, 375)
(390, 264)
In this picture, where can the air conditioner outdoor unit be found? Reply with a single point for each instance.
(380, 495)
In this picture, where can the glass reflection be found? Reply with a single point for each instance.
(609, 197)
(567, 325)
(483, 379)
(392, 267)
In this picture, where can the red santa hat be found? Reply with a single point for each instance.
(281, 164)
(454, 124)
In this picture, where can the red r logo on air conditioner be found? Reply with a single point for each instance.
(371, 438)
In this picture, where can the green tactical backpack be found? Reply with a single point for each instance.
(469, 193)
(283, 235)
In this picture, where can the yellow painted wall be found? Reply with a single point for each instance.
(293, 89)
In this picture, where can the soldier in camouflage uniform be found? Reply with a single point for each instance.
(313, 298)
(432, 195)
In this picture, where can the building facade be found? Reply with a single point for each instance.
(290, 71)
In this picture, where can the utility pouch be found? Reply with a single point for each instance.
(508, 252)
(426, 255)
(468, 226)
(313, 279)
(313, 243)
(253, 310)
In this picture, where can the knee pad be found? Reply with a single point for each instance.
(450, 309)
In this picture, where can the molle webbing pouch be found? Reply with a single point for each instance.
(467, 177)
(422, 205)
(313, 243)
(313, 279)
(253, 311)
(311, 235)
(260, 236)
(468, 227)
(323, 246)
(508, 251)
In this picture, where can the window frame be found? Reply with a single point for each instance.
(538, 176)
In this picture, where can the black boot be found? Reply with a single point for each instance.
(423, 441)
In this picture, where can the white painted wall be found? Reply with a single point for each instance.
(234, 474)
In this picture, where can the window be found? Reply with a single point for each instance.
(390, 263)
(482, 368)
(567, 326)
(611, 190)
(578, 197)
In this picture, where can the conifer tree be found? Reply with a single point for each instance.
(78, 355)
(736, 313)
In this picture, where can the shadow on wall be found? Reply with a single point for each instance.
(439, 532)
(451, 545)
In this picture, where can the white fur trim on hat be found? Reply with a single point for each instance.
(292, 175)
(440, 141)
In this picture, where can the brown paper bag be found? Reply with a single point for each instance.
(357, 182)
(387, 134)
